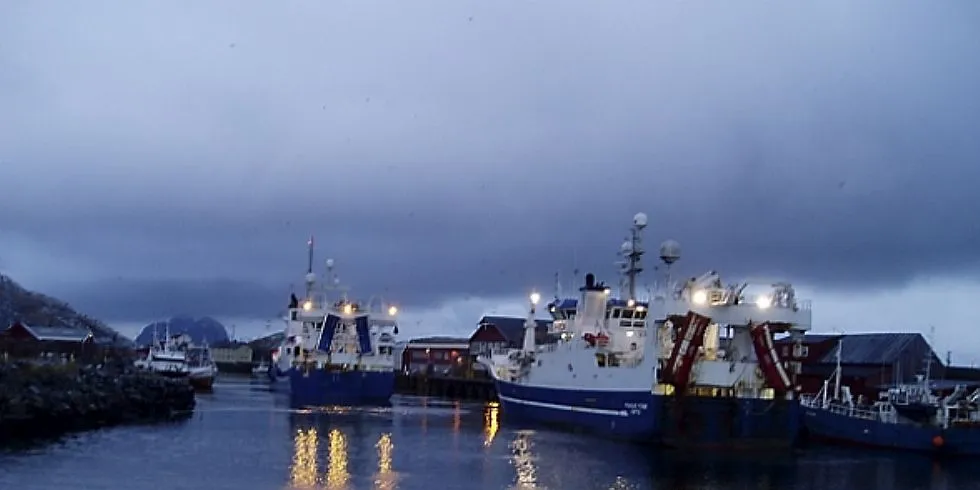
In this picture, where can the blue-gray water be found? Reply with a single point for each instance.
(243, 437)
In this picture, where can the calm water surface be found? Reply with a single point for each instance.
(244, 437)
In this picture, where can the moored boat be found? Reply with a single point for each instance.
(723, 381)
(201, 369)
(176, 357)
(913, 418)
(655, 370)
(593, 374)
(260, 370)
(166, 357)
(336, 351)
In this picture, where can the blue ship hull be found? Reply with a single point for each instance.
(630, 415)
(319, 387)
(825, 425)
(641, 416)
(723, 422)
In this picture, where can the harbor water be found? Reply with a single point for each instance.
(245, 437)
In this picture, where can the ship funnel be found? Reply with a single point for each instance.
(592, 306)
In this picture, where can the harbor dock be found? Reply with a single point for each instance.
(449, 387)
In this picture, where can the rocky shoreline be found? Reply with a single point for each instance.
(44, 401)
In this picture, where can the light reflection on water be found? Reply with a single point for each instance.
(337, 475)
(246, 440)
(490, 423)
(303, 472)
(524, 461)
(386, 479)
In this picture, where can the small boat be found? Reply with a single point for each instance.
(261, 369)
(335, 351)
(175, 357)
(201, 369)
(166, 357)
(913, 417)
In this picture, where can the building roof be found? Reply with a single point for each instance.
(811, 338)
(438, 343)
(872, 348)
(59, 334)
(439, 340)
(512, 327)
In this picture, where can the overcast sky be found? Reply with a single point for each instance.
(173, 157)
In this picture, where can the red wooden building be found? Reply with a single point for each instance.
(435, 356)
(20, 340)
(503, 332)
(868, 361)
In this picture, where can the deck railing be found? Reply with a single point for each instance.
(810, 401)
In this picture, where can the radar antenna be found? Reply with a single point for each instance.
(670, 252)
(333, 282)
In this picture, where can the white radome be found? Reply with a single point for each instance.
(640, 220)
(670, 251)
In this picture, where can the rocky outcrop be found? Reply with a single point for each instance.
(38, 401)
(18, 304)
(200, 330)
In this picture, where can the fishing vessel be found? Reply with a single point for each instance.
(176, 357)
(336, 350)
(724, 384)
(201, 368)
(656, 369)
(910, 417)
(593, 374)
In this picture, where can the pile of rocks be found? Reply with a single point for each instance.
(37, 400)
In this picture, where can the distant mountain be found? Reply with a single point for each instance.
(20, 305)
(200, 330)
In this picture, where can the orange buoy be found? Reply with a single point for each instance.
(938, 441)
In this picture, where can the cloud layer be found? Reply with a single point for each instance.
(174, 158)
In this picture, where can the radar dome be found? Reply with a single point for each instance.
(627, 247)
(640, 220)
(311, 278)
(670, 251)
(330, 263)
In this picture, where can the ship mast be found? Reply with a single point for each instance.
(837, 373)
(310, 276)
(632, 249)
(929, 354)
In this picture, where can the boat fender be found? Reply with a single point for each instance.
(938, 441)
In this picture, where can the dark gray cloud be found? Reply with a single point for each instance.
(169, 160)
